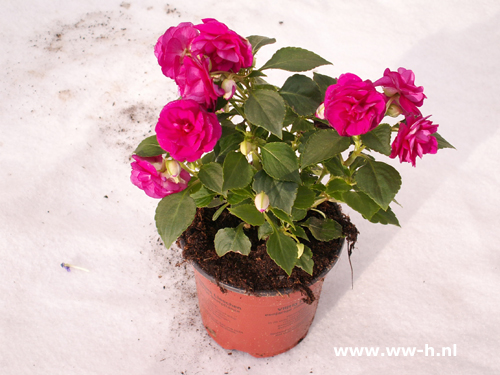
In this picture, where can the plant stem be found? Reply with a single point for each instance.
(358, 148)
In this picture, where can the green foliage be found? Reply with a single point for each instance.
(283, 250)
(266, 108)
(379, 181)
(323, 229)
(173, 215)
(258, 42)
(322, 145)
(305, 261)
(232, 239)
(294, 59)
(281, 194)
(379, 139)
(149, 147)
(210, 176)
(301, 94)
(236, 172)
(280, 162)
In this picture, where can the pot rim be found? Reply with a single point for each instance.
(268, 293)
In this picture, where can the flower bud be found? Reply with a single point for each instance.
(394, 110)
(320, 112)
(229, 86)
(246, 147)
(262, 201)
(390, 91)
(173, 167)
(300, 250)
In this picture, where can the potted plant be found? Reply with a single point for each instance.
(251, 175)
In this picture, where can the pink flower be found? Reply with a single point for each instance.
(353, 106)
(227, 51)
(414, 139)
(147, 175)
(400, 86)
(173, 46)
(186, 130)
(195, 83)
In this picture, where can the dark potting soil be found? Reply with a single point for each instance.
(258, 271)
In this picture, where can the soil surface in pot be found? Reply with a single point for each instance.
(258, 271)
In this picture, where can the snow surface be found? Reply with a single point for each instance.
(81, 87)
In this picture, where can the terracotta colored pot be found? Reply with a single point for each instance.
(262, 324)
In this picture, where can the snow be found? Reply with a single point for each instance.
(81, 87)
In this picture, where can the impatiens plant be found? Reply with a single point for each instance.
(270, 154)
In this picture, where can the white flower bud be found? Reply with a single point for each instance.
(246, 147)
(394, 110)
(262, 201)
(320, 112)
(173, 168)
(300, 248)
(229, 86)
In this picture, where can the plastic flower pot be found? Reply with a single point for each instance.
(264, 323)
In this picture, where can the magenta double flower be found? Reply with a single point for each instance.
(188, 54)
(186, 130)
(353, 106)
(414, 139)
(150, 175)
(400, 87)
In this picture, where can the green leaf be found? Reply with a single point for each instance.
(294, 59)
(149, 147)
(266, 108)
(305, 198)
(232, 239)
(323, 82)
(216, 202)
(305, 261)
(265, 230)
(283, 250)
(290, 117)
(283, 216)
(385, 217)
(379, 181)
(302, 94)
(239, 195)
(322, 145)
(210, 176)
(281, 194)
(237, 172)
(379, 139)
(248, 213)
(361, 202)
(336, 185)
(280, 162)
(256, 74)
(208, 158)
(219, 211)
(335, 167)
(299, 232)
(302, 125)
(298, 214)
(230, 143)
(203, 197)
(287, 137)
(258, 42)
(442, 143)
(173, 216)
(323, 229)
